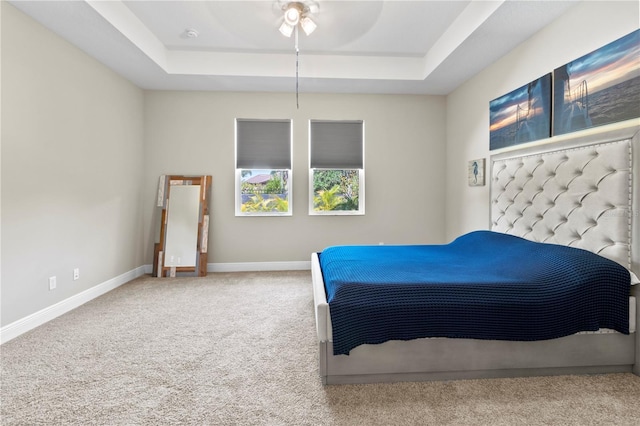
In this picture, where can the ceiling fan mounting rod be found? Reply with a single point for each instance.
(297, 65)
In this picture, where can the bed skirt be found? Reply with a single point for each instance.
(452, 359)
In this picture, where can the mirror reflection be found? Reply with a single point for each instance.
(182, 226)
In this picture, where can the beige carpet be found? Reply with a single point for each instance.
(239, 349)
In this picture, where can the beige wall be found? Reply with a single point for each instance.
(586, 27)
(193, 133)
(72, 160)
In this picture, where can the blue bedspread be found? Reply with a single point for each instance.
(483, 285)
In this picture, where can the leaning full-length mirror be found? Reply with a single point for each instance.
(182, 249)
(181, 241)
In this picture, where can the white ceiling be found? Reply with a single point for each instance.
(362, 46)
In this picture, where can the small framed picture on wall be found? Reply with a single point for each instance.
(476, 172)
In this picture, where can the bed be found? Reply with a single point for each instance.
(574, 194)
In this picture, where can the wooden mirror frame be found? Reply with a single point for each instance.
(164, 193)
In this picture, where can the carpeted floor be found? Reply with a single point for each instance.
(239, 349)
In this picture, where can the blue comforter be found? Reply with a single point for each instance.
(483, 285)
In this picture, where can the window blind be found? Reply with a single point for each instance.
(263, 144)
(336, 144)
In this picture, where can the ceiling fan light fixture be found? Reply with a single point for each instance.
(292, 14)
(297, 13)
(308, 26)
(286, 29)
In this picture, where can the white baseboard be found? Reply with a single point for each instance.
(259, 266)
(36, 319)
(251, 266)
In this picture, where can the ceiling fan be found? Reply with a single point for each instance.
(298, 13)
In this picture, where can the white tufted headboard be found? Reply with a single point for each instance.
(578, 192)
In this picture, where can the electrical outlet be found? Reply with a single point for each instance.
(52, 283)
(76, 274)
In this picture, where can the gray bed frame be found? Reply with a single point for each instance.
(574, 190)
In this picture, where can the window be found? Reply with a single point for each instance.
(263, 167)
(336, 167)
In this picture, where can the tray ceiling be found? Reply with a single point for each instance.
(364, 46)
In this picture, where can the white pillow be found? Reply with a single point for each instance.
(634, 279)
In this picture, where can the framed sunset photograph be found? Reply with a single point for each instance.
(599, 88)
(520, 116)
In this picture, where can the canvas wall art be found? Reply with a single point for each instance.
(599, 88)
(475, 171)
(523, 115)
